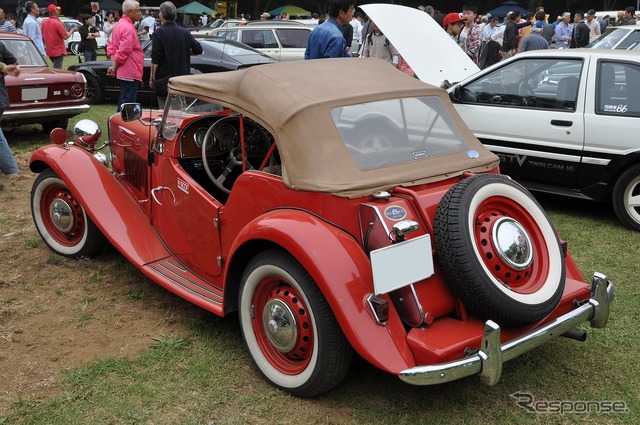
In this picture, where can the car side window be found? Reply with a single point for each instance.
(254, 39)
(631, 40)
(618, 88)
(270, 40)
(293, 37)
(528, 83)
(228, 34)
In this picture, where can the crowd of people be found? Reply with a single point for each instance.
(173, 46)
(485, 39)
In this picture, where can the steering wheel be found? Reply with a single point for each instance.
(524, 89)
(255, 140)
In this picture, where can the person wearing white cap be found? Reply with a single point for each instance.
(563, 32)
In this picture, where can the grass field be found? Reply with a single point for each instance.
(202, 374)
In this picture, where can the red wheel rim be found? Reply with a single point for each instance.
(293, 355)
(527, 280)
(62, 215)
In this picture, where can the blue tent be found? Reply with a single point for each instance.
(506, 7)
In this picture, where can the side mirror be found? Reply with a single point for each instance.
(87, 133)
(456, 93)
(131, 112)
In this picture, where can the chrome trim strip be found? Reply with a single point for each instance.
(487, 362)
(217, 301)
(595, 161)
(533, 153)
(51, 112)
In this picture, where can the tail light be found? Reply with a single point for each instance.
(379, 308)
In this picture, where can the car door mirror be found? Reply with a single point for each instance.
(131, 112)
(456, 93)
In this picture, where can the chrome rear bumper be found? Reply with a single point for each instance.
(488, 361)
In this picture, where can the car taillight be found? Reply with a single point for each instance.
(77, 90)
(379, 308)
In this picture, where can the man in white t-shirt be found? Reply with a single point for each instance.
(356, 23)
(149, 21)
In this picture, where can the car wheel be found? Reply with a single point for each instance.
(95, 92)
(61, 123)
(73, 48)
(498, 250)
(60, 219)
(626, 198)
(289, 329)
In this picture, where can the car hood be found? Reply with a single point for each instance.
(426, 47)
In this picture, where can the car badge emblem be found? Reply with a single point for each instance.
(473, 154)
(395, 213)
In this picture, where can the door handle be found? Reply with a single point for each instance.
(562, 123)
(160, 189)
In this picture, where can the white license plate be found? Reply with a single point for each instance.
(38, 93)
(401, 264)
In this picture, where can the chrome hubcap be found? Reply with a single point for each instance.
(280, 325)
(61, 215)
(512, 243)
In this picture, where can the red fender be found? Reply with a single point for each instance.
(342, 271)
(117, 215)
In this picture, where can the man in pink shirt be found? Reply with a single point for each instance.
(127, 58)
(54, 34)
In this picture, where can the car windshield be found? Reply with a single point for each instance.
(181, 107)
(394, 131)
(612, 37)
(25, 52)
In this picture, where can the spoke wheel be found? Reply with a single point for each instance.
(626, 198)
(61, 219)
(288, 327)
(498, 250)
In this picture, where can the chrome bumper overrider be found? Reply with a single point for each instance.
(488, 361)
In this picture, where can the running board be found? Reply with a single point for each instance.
(169, 273)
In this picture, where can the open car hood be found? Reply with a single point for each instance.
(426, 47)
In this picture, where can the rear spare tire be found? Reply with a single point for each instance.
(498, 250)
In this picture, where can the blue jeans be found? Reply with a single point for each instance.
(7, 163)
(128, 92)
(90, 55)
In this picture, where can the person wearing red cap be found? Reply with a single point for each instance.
(453, 25)
(54, 34)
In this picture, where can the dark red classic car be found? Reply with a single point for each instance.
(333, 214)
(40, 95)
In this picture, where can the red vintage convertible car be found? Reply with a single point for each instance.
(333, 213)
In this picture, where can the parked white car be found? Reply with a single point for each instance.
(561, 121)
(73, 42)
(282, 41)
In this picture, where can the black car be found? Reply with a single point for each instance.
(218, 55)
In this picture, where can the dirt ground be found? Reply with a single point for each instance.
(57, 313)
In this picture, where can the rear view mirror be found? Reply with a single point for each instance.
(131, 112)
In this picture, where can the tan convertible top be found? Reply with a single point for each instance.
(293, 100)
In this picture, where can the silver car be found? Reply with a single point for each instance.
(281, 41)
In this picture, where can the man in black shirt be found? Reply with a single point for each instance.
(171, 53)
(580, 34)
(510, 37)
